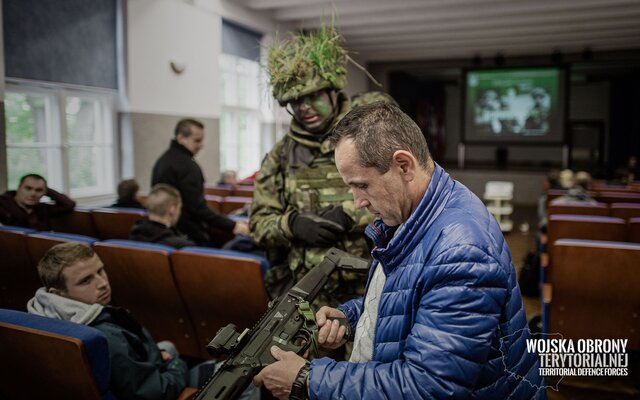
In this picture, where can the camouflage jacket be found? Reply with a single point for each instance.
(299, 174)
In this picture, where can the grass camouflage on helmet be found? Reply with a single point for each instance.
(307, 62)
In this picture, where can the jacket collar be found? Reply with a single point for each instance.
(390, 250)
(177, 146)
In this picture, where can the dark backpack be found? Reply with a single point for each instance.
(529, 280)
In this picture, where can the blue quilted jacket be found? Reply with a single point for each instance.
(451, 324)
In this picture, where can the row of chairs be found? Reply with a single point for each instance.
(589, 274)
(104, 223)
(593, 227)
(228, 204)
(625, 211)
(604, 186)
(229, 190)
(593, 291)
(602, 196)
(180, 295)
(115, 223)
(587, 227)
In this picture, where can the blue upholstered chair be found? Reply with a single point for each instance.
(142, 282)
(44, 358)
(220, 287)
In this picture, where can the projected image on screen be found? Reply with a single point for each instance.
(514, 105)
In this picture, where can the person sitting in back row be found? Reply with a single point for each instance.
(578, 190)
(164, 205)
(128, 194)
(22, 207)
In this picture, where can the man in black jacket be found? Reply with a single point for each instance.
(177, 168)
(164, 205)
(22, 207)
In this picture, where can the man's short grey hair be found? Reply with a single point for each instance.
(378, 130)
(161, 197)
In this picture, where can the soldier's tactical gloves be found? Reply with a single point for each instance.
(337, 215)
(314, 230)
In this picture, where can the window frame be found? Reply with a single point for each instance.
(260, 112)
(106, 122)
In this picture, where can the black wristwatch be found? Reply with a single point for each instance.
(300, 387)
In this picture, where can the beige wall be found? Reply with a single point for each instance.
(152, 134)
(162, 31)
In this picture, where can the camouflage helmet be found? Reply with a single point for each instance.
(306, 63)
(372, 97)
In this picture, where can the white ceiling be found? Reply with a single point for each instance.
(393, 30)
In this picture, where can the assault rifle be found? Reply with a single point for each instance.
(288, 323)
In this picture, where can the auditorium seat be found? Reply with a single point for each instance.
(634, 230)
(214, 202)
(44, 358)
(243, 191)
(618, 197)
(79, 221)
(610, 188)
(579, 208)
(220, 287)
(625, 210)
(594, 291)
(232, 203)
(39, 243)
(18, 275)
(218, 190)
(586, 227)
(562, 226)
(142, 282)
(116, 223)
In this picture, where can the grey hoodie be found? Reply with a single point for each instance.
(54, 306)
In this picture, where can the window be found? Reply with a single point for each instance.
(245, 109)
(65, 136)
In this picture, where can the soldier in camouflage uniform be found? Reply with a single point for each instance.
(301, 205)
(372, 97)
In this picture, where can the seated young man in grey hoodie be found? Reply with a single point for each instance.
(76, 288)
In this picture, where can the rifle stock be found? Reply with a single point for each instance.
(286, 324)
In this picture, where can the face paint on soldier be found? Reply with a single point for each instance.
(314, 111)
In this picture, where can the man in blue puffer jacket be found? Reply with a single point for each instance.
(442, 317)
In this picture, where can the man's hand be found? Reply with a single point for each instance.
(314, 230)
(331, 333)
(241, 228)
(279, 376)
